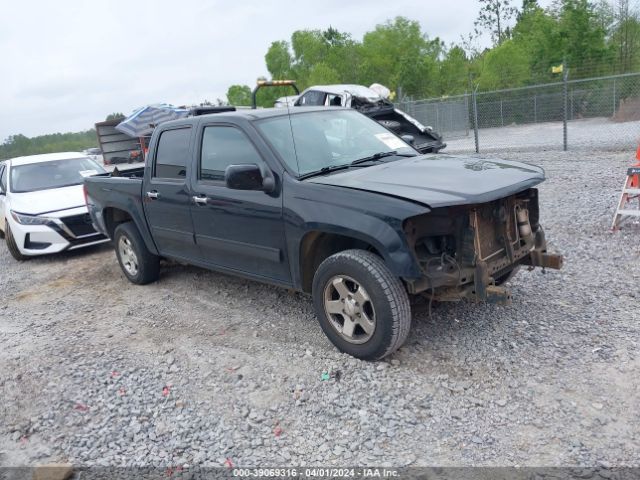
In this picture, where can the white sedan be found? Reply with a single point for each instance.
(42, 204)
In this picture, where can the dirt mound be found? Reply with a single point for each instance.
(628, 111)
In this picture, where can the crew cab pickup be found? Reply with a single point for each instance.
(325, 201)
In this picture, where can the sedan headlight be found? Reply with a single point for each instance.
(23, 219)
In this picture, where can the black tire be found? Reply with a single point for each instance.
(388, 298)
(148, 264)
(12, 245)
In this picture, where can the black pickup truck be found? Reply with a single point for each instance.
(325, 201)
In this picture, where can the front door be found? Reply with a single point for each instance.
(241, 230)
(167, 197)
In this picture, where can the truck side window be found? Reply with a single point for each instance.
(334, 100)
(313, 98)
(172, 153)
(224, 146)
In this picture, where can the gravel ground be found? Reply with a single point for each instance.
(206, 369)
(585, 134)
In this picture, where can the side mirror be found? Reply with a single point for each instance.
(247, 177)
(408, 138)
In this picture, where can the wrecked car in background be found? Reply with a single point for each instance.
(374, 104)
(372, 101)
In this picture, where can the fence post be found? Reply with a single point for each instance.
(614, 97)
(565, 88)
(571, 110)
(474, 102)
(466, 105)
(535, 108)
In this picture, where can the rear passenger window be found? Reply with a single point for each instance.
(172, 153)
(224, 146)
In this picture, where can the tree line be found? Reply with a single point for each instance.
(19, 145)
(591, 38)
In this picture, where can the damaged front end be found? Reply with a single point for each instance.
(470, 251)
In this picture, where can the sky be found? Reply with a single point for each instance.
(67, 64)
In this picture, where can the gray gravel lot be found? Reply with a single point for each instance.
(582, 135)
(206, 369)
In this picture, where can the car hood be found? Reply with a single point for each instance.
(440, 180)
(48, 201)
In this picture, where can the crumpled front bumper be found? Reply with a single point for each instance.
(470, 253)
(484, 286)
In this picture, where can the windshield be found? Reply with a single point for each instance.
(311, 141)
(53, 174)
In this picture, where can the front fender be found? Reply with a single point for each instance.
(371, 218)
(387, 241)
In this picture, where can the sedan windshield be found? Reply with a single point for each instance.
(52, 174)
(322, 140)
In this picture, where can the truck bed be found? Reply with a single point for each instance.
(121, 190)
(135, 172)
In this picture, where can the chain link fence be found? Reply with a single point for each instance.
(597, 113)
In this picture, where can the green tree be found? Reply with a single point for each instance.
(625, 37)
(538, 34)
(583, 39)
(115, 116)
(454, 72)
(278, 60)
(322, 74)
(494, 17)
(19, 145)
(239, 95)
(504, 66)
(398, 55)
(335, 49)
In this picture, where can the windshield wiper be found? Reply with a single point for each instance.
(371, 158)
(381, 155)
(324, 170)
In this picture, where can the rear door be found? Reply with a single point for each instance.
(167, 197)
(241, 230)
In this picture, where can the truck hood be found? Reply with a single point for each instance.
(47, 201)
(440, 180)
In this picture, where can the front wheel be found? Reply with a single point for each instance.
(362, 307)
(138, 264)
(12, 246)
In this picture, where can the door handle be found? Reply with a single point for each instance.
(153, 194)
(200, 199)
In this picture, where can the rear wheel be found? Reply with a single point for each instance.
(12, 245)
(362, 307)
(138, 264)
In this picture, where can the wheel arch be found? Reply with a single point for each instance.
(114, 216)
(316, 245)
